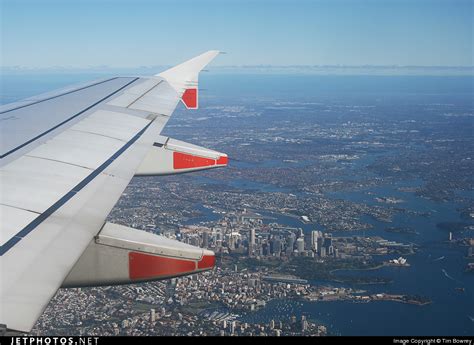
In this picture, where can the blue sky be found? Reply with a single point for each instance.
(145, 33)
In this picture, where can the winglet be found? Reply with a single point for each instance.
(184, 77)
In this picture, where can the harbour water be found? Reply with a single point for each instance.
(437, 269)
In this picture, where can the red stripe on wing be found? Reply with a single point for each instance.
(144, 266)
(187, 161)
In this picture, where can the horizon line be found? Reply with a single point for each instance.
(245, 66)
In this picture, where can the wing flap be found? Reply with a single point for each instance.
(122, 255)
(170, 156)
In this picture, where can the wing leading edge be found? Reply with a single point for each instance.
(59, 183)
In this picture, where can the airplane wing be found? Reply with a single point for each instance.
(65, 159)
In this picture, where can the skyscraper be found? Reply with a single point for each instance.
(205, 239)
(300, 245)
(252, 237)
(251, 241)
(314, 240)
(290, 245)
(265, 249)
(327, 241)
(319, 244)
(276, 246)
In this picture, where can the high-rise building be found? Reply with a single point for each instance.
(230, 242)
(290, 244)
(266, 249)
(314, 240)
(276, 246)
(194, 240)
(152, 315)
(205, 239)
(319, 244)
(250, 252)
(327, 241)
(300, 245)
(307, 241)
(252, 237)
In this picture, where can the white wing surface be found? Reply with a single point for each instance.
(65, 159)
